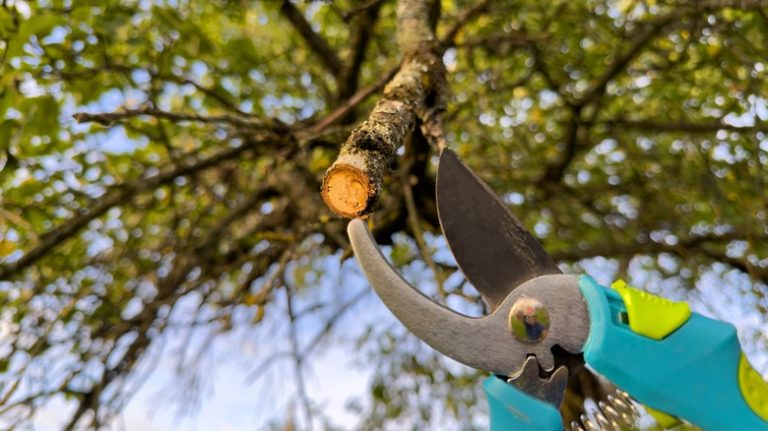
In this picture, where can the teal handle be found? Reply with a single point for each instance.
(514, 410)
(692, 373)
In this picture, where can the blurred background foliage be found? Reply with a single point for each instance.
(161, 164)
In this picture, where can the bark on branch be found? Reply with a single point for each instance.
(353, 183)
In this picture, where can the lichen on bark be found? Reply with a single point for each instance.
(353, 183)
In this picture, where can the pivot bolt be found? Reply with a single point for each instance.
(529, 320)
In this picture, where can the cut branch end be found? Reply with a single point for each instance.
(347, 191)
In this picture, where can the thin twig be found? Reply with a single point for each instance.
(119, 195)
(108, 119)
(314, 40)
(298, 361)
(332, 320)
(464, 17)
(29, 231)
(226, 103)
(269, 285)
(620, 62)
(314, 343)
(506, 40)
(418, 235)
(347, 15)
(349, 104)
(361, 30)
(682, 126)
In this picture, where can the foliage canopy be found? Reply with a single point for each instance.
(161, 153)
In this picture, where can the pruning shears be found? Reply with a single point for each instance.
(544, 325)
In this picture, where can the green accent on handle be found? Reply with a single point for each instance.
(663, 419)
(753, 388)
(651, 315)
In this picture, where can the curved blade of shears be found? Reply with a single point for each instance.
(485, 343)
(492, 247)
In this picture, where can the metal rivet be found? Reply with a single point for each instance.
(529, 320)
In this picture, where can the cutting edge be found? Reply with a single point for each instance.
(491, 245)
(486, 342)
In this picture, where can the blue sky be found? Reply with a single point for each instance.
(229, 400)
(229, 397)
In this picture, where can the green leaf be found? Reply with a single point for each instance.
(41, 119)
(37, 25)
(8, 129)
(401, 253)
(6, 247)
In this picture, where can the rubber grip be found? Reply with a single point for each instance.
(692, 373)
(514, 410)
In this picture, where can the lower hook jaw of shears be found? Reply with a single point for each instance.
(537, 316)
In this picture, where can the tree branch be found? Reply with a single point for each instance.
(643, 37)
(353, 183)
(298, 361)
(683, 126)
(120, 195)
(504, 41)
(683, 248)
(622, 60)
(554, 172)
(361, 30)
(348, 105)
(418, 235)
(347, 15)
(461, 21)
(316, 42)
(110, 118)
(222, 99)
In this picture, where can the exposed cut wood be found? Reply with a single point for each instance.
(346, 190)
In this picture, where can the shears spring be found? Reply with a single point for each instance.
(614, 413)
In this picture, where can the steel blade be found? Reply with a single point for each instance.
(492, 247)
(550, 390)
(486, 342)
